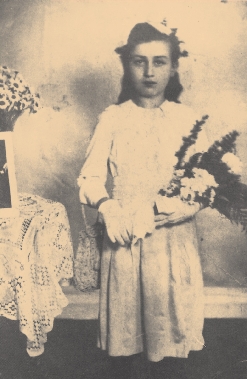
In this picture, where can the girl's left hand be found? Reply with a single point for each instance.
(183, 213)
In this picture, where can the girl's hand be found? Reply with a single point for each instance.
(167, 205)
(182, 213)
(118, 225)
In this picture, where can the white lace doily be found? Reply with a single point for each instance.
(35, 254)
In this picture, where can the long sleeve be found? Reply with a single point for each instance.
(93, 175)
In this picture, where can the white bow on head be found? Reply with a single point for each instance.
(160, 26)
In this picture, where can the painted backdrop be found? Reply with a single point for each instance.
(65, 50)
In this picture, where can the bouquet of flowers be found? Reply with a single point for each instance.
(212, 177)
(15, 97)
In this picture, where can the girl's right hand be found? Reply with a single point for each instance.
(118, 225)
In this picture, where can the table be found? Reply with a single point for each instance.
(35, 255)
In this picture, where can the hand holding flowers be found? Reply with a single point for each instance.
(211, 179)
(182, 212)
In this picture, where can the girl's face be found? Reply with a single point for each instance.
(150, 69)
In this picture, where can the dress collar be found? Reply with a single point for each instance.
(162, 107)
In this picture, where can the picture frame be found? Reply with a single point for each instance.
(8, 185)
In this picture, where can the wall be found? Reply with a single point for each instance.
(65, 50)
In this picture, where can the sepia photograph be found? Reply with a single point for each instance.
(123, 189)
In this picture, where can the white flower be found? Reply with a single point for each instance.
(185, 182)
(233, 162)
(187, 193)
(206, 178)
(198, 185)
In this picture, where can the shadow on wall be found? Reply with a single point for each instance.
(94, 90)
(49, 152)
(88, 91)
(223, 250)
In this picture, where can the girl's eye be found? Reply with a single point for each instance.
(160, 63)
(138, 62)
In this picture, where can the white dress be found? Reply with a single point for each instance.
(151, 292)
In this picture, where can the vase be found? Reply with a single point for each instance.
(8, 119)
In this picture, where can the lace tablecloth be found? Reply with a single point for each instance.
(35, 254)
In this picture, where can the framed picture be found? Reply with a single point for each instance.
(8, 186)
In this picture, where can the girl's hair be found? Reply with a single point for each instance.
(142, 33)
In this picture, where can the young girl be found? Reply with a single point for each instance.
(151, 281)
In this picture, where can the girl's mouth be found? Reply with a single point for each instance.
(149, 83)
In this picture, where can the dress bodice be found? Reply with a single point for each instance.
(143, 152)
(138, 146)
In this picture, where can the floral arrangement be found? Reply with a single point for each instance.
(212, 177)
(15, 97)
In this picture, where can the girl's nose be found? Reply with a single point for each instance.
(149, 69)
